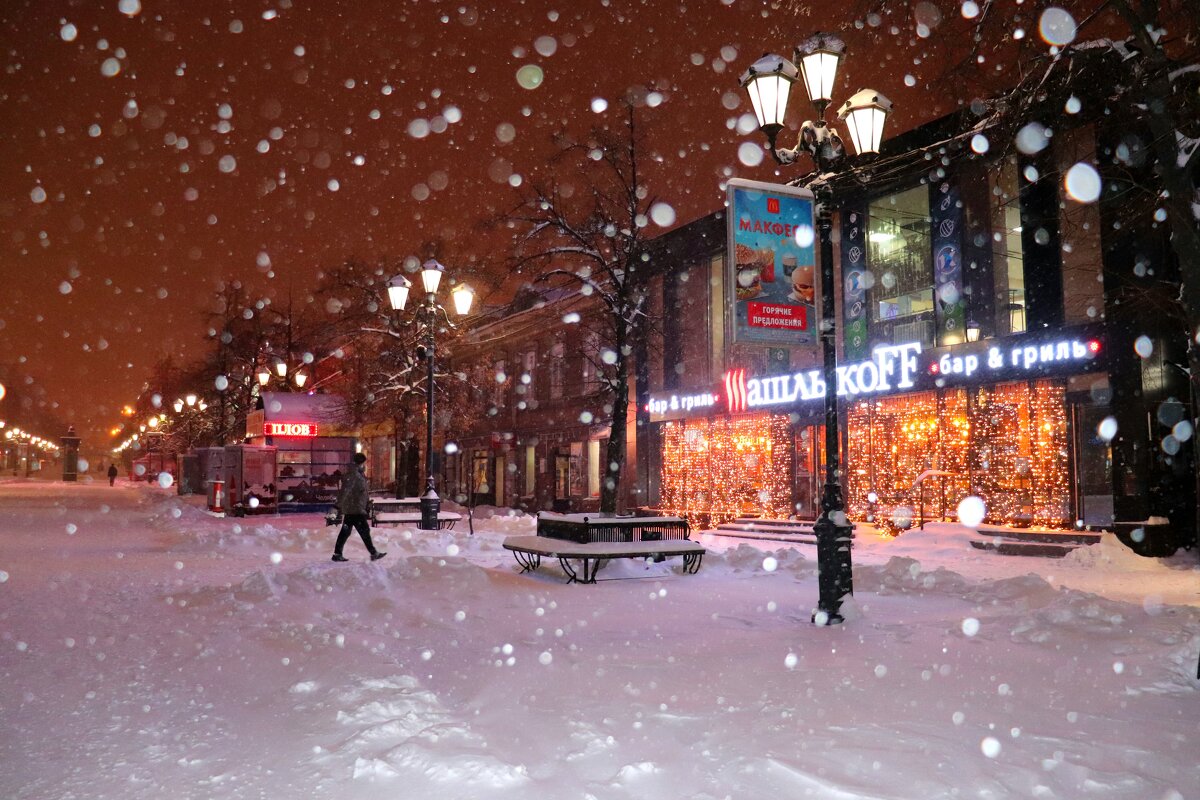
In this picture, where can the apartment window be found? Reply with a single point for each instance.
(526, 381)
(591, 362)
(898, 253)
(555, 366)
(499, 380)
(1008, 261)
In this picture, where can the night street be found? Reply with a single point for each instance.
(155, 651)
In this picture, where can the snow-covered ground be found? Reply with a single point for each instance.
(148, 650)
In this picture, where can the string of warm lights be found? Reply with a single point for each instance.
(14, 435)
(715, 470)
(1007, 444)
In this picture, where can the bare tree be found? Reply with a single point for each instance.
(595, 240)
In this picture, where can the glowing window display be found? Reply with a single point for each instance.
(1007, 444)
(715, 470)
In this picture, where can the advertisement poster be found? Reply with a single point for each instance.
(772, 276)
(950, 306)
(854, 293)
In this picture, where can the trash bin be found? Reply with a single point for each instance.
(216, 496)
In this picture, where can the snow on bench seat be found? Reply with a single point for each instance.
(529, 550)
(446, 519)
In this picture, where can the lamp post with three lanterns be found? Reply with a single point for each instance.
(431, 310)
(769, 83)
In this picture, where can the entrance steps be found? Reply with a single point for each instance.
(782, 530)
(1044, 544)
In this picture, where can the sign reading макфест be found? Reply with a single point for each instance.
(770, 281)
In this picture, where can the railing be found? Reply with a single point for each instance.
(595, 528)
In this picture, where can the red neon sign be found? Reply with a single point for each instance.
(290, 429)
(735, 390)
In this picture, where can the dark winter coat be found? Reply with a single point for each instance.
(112, 470)
(352, 499)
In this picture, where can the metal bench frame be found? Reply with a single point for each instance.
(530, 555)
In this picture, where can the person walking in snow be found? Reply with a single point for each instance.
(352, 503)
(112, 474)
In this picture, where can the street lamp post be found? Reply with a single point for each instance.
(398, 290)
(768, 82)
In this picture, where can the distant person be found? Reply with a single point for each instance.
(352, 503)
(112, 474)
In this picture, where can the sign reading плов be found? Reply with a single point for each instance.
(770, 281)
(306, 429)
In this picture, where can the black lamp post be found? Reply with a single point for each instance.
(769, 82)
(398, 288)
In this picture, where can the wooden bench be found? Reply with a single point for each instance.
(529, 551)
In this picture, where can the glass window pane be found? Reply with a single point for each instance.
(898, 254)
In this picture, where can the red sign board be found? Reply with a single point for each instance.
(770, 315)
(290, 429)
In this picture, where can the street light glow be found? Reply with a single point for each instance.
(865, 114)
(431, 275)
(398, 292)
(463, 296)
(769, 81)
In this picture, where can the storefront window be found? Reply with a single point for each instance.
(311, 471)
(530, 470)
(715, 470)
(898, 255)
(1008, 262)
(922, 453)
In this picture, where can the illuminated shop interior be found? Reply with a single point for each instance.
(1008, 444)
(716, 470)
(899, 254)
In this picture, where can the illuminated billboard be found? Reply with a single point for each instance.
(771, 281)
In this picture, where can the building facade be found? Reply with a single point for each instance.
(995, 338)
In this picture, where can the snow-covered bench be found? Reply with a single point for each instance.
(406, 511)
(529, 550)
(446, 519)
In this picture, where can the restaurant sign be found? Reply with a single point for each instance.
(301, 429)
(891, 369)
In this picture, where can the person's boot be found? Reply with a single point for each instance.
(378, 554)
(339, 557)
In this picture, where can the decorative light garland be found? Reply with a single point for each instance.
(715, 470)
(1007, 444)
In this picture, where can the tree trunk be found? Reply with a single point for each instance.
(610, 484)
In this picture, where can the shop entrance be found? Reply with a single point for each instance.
(562, 482)
(809, 471)
(1093, 457)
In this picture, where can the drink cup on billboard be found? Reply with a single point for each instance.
(789, 265)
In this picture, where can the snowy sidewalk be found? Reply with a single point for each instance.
(148, 651)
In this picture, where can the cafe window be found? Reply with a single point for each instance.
(594, 468)
(899, 257)
(530, 469)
